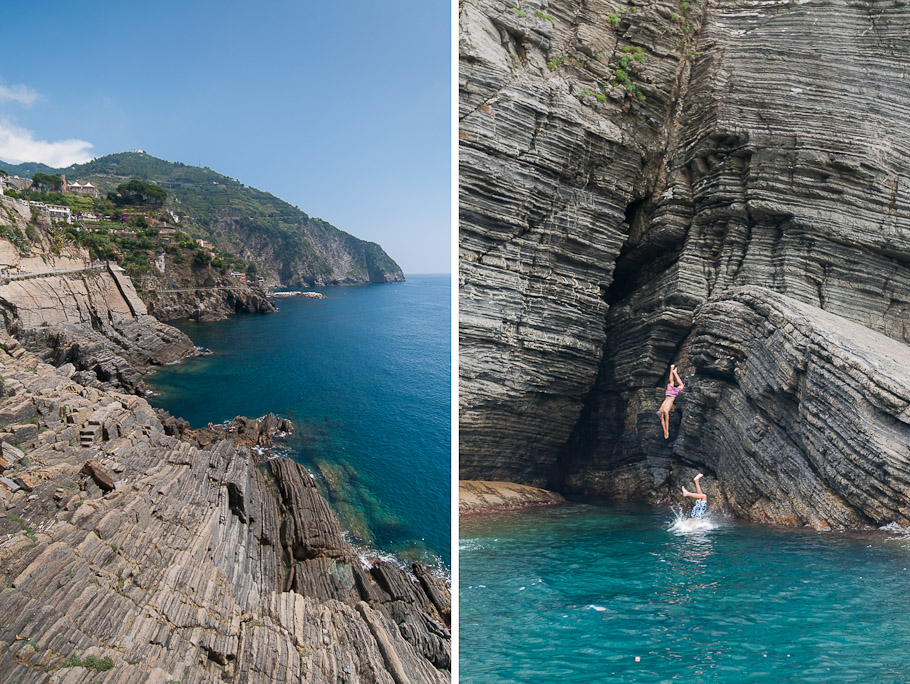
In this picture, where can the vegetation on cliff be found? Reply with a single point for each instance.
(284, 242)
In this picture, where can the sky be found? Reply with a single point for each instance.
(341, 108)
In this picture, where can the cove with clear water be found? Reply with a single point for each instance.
(365, 376)
(574, 593)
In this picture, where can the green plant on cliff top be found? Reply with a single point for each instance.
(632, 53)
(16, 236)
(541, 15)
(599, 96)
(683, 21)
(622, 78)
(630, 57)
(520, 13)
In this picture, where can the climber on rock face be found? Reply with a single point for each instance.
(673, 390)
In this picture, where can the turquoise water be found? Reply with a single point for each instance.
(365, 375)
(575, 593)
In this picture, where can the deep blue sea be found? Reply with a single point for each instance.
(365, 376)
(575, 593)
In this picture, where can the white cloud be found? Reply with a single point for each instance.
(18, 93)
(17, 146)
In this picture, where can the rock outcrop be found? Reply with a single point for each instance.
(795, 415)
(621, 165)
(93, 320)
(206, 303)
(185, 290)
(476, 497)
(201, 564)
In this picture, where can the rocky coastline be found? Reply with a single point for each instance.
(136, 549)
(182, 562)
(212, 302)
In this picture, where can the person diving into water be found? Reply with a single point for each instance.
(673, 390)
(701, 505)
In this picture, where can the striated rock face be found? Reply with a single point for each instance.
(770, 149)
(795, 415)
(94, 321)
(212, 303)
(201, 565)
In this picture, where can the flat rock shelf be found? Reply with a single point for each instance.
(477, 497)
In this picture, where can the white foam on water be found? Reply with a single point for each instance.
(470, 545)
(599, 609)
(367, 554)
(683, 524)
(895, 528)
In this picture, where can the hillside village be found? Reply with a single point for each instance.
(129, 226)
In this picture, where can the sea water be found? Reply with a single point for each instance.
(577, 593)
(365, 376)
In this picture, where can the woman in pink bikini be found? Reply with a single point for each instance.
(674, 387)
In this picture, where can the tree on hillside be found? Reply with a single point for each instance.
(47, 181)
(138, 192)
(201, 259)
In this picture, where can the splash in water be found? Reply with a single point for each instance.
(683, 524)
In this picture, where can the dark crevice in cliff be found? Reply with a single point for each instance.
(643, 257)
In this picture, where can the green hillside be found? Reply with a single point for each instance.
(282, 240)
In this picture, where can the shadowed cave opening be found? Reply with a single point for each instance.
(601, 438)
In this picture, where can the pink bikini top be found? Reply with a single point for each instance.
(673, 391)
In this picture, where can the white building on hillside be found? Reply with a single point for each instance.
(59, 213)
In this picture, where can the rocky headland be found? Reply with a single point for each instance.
(207, 297)
(288, 247)
(136, 549)
(718, 185)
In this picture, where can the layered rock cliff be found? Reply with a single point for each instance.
(625, 164)
(135, 549)
(93, 320)
(130, 555)
(201, 296)
(70, 311)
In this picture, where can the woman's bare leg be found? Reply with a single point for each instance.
(675, 380)
(698, 485)
(694, 495)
